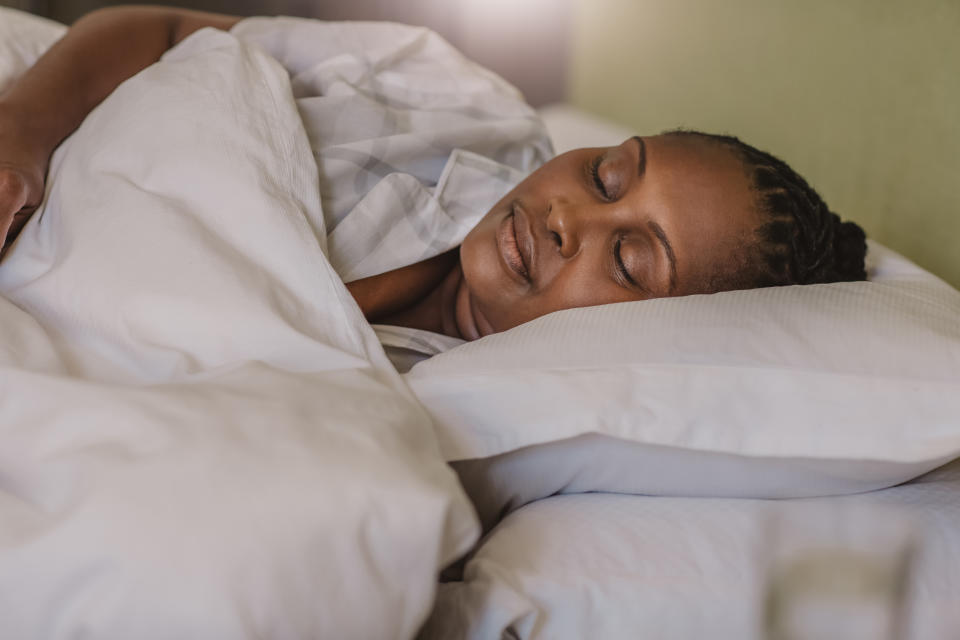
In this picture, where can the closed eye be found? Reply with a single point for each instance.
(622, 268)
(597, 180)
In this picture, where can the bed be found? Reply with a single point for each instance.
(161, 477)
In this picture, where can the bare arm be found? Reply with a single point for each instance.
(49, 101)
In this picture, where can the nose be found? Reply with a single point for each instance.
(563, 223)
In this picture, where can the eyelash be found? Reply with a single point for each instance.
(622, 268)
(597, 181)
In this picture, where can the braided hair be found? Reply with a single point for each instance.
(801, 242)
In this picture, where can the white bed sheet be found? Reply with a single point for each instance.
(623, 567)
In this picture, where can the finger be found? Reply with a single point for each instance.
(13, 198)
(12, 182)
(19, 222)
(6, 221)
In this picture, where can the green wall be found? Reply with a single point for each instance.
(862, 97)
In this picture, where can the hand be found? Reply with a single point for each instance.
(24, 157)
(23, 166)
(21, 191)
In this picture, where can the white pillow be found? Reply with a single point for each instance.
(200, 436)
(781, 392)
(622, 567)
(570, 128)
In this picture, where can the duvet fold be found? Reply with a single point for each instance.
(200, 436)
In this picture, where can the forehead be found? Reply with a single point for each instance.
(696, 170)
(701, 195)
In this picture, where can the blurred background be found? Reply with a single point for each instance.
(862, 97)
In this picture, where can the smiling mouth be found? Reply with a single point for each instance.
(509, 248)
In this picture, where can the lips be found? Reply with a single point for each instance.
(510, 249)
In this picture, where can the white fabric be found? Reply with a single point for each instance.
(622, 567)
(411, 139)
(406, 347)
(783, 392)
(414, 143)
(394, 114)
(200, 436)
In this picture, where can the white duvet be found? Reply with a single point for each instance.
(200, 436)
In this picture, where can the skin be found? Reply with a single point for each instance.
(568, 225)
(696, 192)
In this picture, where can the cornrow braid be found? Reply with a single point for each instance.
(802, 242)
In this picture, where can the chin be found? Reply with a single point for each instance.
(470, 321)
(490, 291)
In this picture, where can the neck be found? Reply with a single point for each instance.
(434, 311)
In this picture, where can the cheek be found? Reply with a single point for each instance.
(582, 287)
(478, 260)
(492, 292)
(571, 288)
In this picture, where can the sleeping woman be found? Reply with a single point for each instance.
(674, 214)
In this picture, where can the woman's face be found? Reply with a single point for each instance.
(650, 218)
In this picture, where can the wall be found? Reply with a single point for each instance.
(862, 97)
